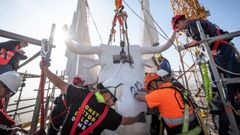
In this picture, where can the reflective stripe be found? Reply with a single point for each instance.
(178, 121)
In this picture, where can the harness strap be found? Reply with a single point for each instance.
(217, 43)
(64, 101)
(80, 112)
(95, 124)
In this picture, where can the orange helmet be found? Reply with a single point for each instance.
(149, 78)
(175, 19)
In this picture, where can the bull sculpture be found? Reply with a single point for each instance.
(114, 71)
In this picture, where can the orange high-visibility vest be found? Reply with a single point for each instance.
(170, 104)
(6, 55)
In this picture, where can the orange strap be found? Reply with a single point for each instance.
(118, 4)
(80, 112)
(42, 84)
(94, 125)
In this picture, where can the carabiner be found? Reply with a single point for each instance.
(45, 47)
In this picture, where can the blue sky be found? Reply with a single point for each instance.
(34, 18)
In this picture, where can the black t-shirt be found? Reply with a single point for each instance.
(92, 111)
(209, 29)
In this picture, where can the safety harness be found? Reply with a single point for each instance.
(217, 43)
(80, 112)
(187, 117)
(6, 55)
(53, 118)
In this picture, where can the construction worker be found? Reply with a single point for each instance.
(88, 114)
(165, 71)
(224, 54)
(10, 54)
(60, 109)
(9, 83)
(170, 103)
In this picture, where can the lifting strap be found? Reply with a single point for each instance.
(80, 112)
(42, 85)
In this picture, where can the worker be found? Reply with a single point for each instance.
(224, 53)
(157, 59)
(9, 83)
(10, 54)
(77, 80)
(165, 71)
(61, 107)
(87, 114)
(170, 103)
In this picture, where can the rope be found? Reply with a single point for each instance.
(42, 84)
(166, 38)
(12, 129)
(95, 25)
(227, 71)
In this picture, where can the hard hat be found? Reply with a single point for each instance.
(104, 89)
(77, 80)
(149, 78)
(12, 80)
(175, 19)
(164, 69)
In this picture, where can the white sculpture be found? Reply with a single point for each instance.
(111, 74)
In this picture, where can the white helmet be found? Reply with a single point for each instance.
(162, 72)
(12, 80)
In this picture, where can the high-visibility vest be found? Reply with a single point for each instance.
(171, 105)
(6, 55)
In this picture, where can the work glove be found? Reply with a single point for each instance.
(179, 48)
(141, 117)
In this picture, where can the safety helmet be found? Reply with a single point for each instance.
(12, 80)
(175, 19)
(149, 78)
(165, 68)
(104, 89)
(77, 80)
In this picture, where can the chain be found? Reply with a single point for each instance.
(4, 127)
